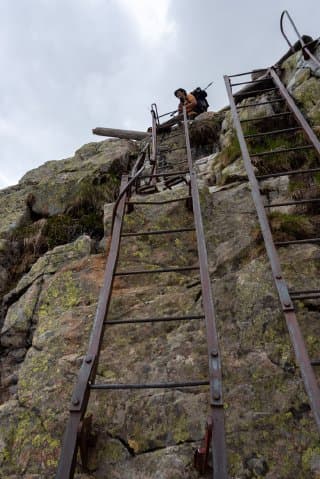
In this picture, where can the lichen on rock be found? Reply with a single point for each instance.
(60, 214)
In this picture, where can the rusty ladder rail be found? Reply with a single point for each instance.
(286, 297)
(77, 425)
(77, 433)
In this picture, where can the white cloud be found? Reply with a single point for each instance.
(150, 17)
(71, 65)
(6, 181)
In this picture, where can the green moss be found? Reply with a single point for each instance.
(316, 178)
(308, 93)
(251, 128)
(113, 451)
(296, 185)
(92, 194)
(230, 153)
(235, 462)
(274, 142)
(24, 231)
(62, 229)
(181, 431)
(281, 161)
(313, 344)
(315, 120)
(205, 132)
(57, 230)
(286, 226)
(308, 456)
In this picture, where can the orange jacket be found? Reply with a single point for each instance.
(190, 103)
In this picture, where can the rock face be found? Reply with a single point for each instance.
(67, 198)
(52, 260)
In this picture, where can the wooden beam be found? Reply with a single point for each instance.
(123, 134)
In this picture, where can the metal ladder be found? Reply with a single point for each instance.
(293, 121)
(77, 433)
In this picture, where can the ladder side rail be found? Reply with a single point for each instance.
(297, 340)
(125, 191)
(216, 401)
(154, 139)
(139, 162)
(295, 110)
(80, 396)
(154, 143)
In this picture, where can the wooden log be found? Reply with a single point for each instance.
(123, 134)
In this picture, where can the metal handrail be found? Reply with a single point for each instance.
(154, 106)
(155, 123)
(115, 208)
(171, 113)
(304, 46)
(139, 159)
(154, 110)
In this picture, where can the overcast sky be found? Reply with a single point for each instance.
(68, 66)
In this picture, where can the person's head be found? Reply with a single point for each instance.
(180, 93)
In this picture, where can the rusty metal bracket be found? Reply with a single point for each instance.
(201, 455)
(85, 440)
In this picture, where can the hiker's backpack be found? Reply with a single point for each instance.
(200, 95)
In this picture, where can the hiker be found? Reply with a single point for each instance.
(189, 101)
(186, 99)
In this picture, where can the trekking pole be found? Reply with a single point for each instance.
(206, 88)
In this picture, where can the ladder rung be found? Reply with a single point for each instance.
(288, 203)
(157, 175)
(174, 181)
(287, 173)
(304, 291)
(158, 202)
(305, 294)
(262, 103)
(248, 73)
(169, 150)
(154, 271)
(282, 150)
(150, 385)
(253, 92)
(147, 189)
(158, 232)
(181, 162)
(303, 241)
(251, 81)
(266, 117)
(274, 132)
(156, 320)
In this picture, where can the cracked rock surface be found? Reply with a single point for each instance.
(48, 313)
